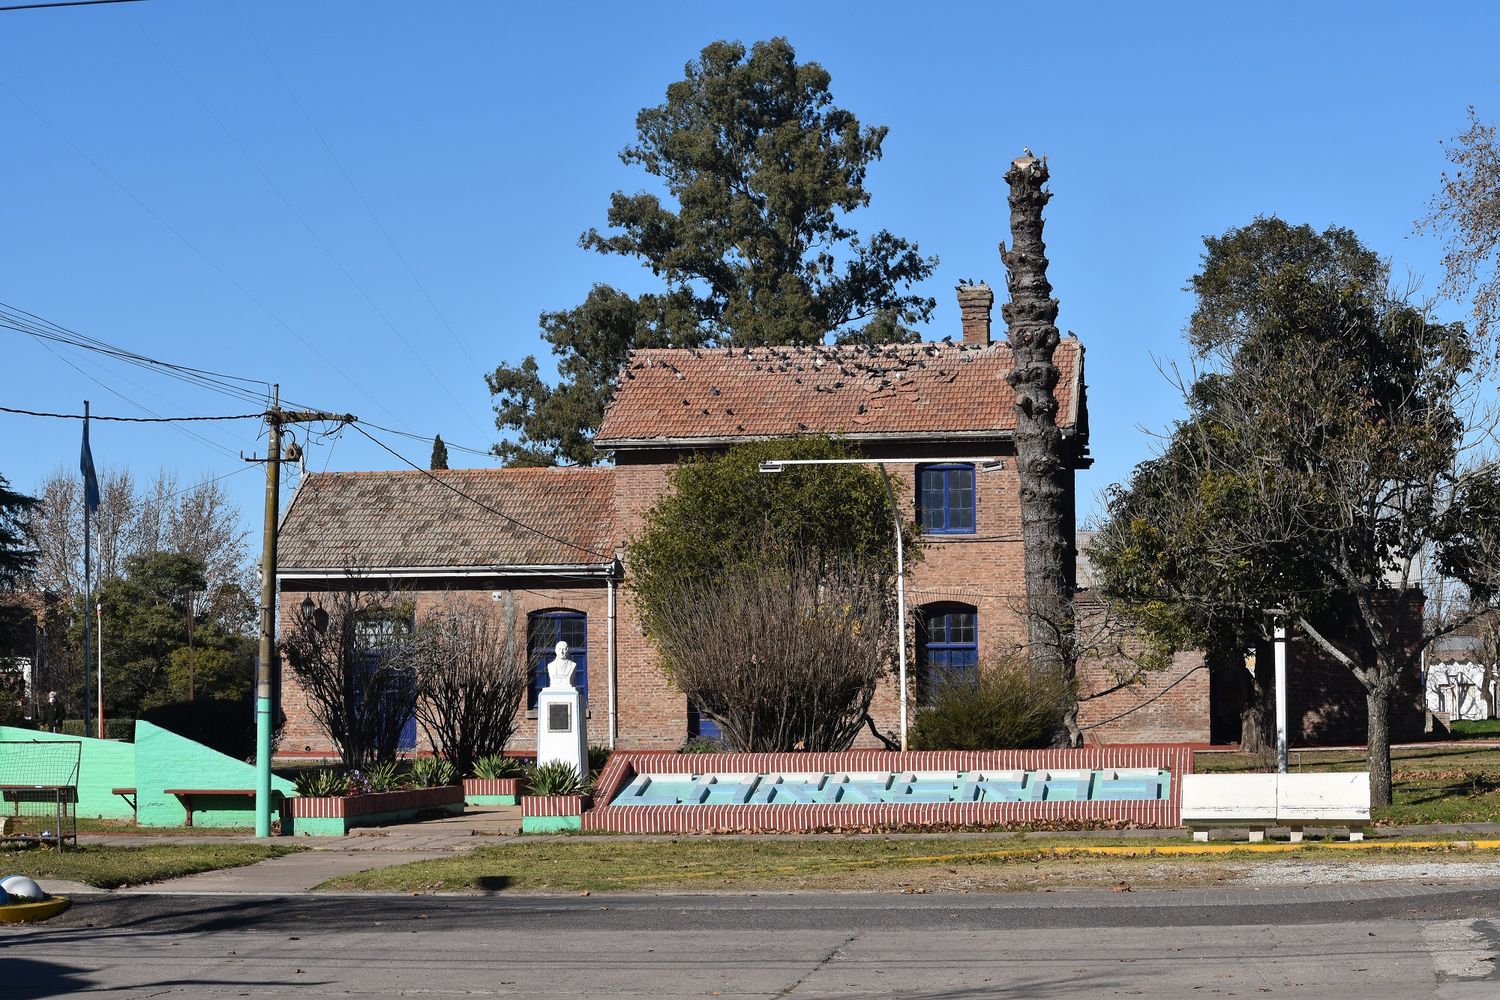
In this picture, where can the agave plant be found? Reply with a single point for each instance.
(385, 777)
(555, 777)
(321, 782)
(498, 765)
(430, 772)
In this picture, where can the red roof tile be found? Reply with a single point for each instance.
(405, 518)
(851, 391)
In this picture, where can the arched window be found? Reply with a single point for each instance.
(945, 498)
(544, 630)
(947, 642)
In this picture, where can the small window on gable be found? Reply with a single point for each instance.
(945, 498)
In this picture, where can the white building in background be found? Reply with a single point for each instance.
(1454, 677)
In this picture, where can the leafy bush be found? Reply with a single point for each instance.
(554, 778)
(321, 781)
(598, 757)
(114, 729)
(701, 744)
(1002, 706)
(383, 777)
(431, 772)
(498, 765)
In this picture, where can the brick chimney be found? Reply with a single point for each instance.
(974, 302)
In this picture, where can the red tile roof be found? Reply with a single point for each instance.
(853, 391)
(406, 518)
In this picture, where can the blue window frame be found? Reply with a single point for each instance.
(544, 629)
(947, 643)
(701, 726)
(945, 498)
(376, 629)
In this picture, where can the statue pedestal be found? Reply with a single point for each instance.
(561, 732)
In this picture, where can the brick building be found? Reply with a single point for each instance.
(941, 413)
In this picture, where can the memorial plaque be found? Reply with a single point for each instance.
(559, 719)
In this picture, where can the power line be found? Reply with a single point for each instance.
(200, 254)
(327, 148)
(480, 503)
(131, 420)
(302, 220)
(63, 3)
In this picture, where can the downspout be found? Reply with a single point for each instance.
(614, 709)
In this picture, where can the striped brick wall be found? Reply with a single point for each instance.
(336, 806)
(842, 817)
(492, 786)
(553, 805)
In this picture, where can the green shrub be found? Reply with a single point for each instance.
(555, 778)
(384, 777)
(1001, 706)
(498, 765)
(319, 782)
(114, 729)
(431, 772)
(701, 744)
(598, 757)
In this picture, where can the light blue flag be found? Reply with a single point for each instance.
(86, 466)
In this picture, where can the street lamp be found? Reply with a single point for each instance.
(774, 466)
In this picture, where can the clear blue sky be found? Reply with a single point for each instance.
(484, 137)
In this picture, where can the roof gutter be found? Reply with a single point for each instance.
(600, 570)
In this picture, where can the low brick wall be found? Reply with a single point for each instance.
(334, 815)
(623, 766)
(552, 813)
(491, 791)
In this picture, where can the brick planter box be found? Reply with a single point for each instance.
(334, 816)
(552, 813)
(492, 791)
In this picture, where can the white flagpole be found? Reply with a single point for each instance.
(88, 582)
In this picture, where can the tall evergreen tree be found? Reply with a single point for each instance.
(17, 554)
(764, 169)
(439, 454)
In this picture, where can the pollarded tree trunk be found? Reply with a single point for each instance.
(1030, 318)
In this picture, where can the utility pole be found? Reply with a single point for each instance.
(276, 417)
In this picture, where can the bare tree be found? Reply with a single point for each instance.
(471, 678)
(1030, 317)
(1466, 211)
(783, 656)
(352, 653)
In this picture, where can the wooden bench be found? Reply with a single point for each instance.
(186, 796)
(128, 794)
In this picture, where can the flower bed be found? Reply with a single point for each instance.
(552, 813)
(334, 815)
(491, 791)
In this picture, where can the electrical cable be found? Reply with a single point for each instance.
(302, 220)
(480, 503)
(200, 254)
(130, 420)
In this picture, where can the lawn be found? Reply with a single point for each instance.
(900, 864)
(1440, 784)
(107, 867)
(1475, 729)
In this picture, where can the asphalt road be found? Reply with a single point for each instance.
(1365, 942)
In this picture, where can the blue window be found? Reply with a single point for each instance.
(376, 629)
(945, 499)
(701, 726)
(544, 630)
(947, 644)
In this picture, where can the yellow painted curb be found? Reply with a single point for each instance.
(25, 913)
(1100, 851)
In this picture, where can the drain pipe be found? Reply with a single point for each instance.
(614, 712)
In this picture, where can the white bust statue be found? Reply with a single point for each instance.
(560, 670)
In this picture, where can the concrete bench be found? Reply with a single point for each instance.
(186, 796)
(1257, 802)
